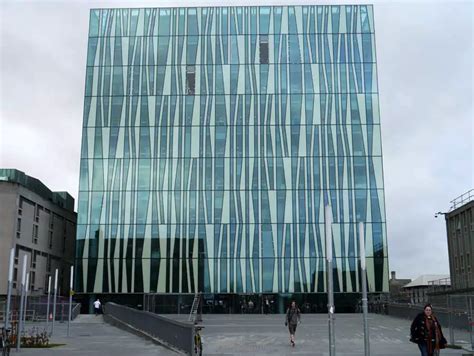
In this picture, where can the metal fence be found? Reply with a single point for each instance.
(174, 334)
(36, 308)
(455, 313)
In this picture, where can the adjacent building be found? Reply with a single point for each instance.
(418, 290)
(460, 231)
(213, 137)
(396, 287)
(38, 223)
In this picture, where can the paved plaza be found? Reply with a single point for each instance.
(267, 335)
(245, 335)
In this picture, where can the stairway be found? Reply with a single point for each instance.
(195, 314)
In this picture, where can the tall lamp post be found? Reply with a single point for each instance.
(20, 318)
(9, 290)
(47, 306)
(54, 300)
(27, 289)
(70, 299)
(363, 271)
(330, 285)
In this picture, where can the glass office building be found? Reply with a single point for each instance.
(213, 137)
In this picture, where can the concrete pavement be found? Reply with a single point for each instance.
(267, 335)
(245, 335)
(91, 336)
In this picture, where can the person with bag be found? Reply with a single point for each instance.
(426, 332)
(293, 318)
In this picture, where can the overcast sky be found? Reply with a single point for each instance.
(425, 71)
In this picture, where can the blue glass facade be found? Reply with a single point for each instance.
(213, 138)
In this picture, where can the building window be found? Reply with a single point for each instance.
(50, 240)
(35, 234)
(37, 208)
(32, 280)
(18, 225)
(263, 46)
(190, 80)
(33, 259)
(20, 211)
(15, 276)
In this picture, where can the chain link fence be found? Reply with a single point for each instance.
(454, 311)
(459, 310)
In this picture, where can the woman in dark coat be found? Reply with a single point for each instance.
(426, 332)
(293, 318)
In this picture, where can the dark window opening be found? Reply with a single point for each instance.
(263, 49)
(35, 234)
(190, 80)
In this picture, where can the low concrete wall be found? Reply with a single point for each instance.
(178, 336)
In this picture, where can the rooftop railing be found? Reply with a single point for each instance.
(462, 199)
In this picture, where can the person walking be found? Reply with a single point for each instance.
(293, 318)
(97, 305)
(243, 306)
(250, 306)
(266, 306)
(426, 332)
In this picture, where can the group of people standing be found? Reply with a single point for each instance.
(251, 307)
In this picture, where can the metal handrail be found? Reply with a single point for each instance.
(462, 199)
(76, 310)
(440, 282)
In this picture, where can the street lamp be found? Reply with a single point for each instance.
(439, 213)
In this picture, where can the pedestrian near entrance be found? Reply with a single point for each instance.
(293, 318)
(97, 305)
(266, 306)
(251, 306)
(426, 332)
